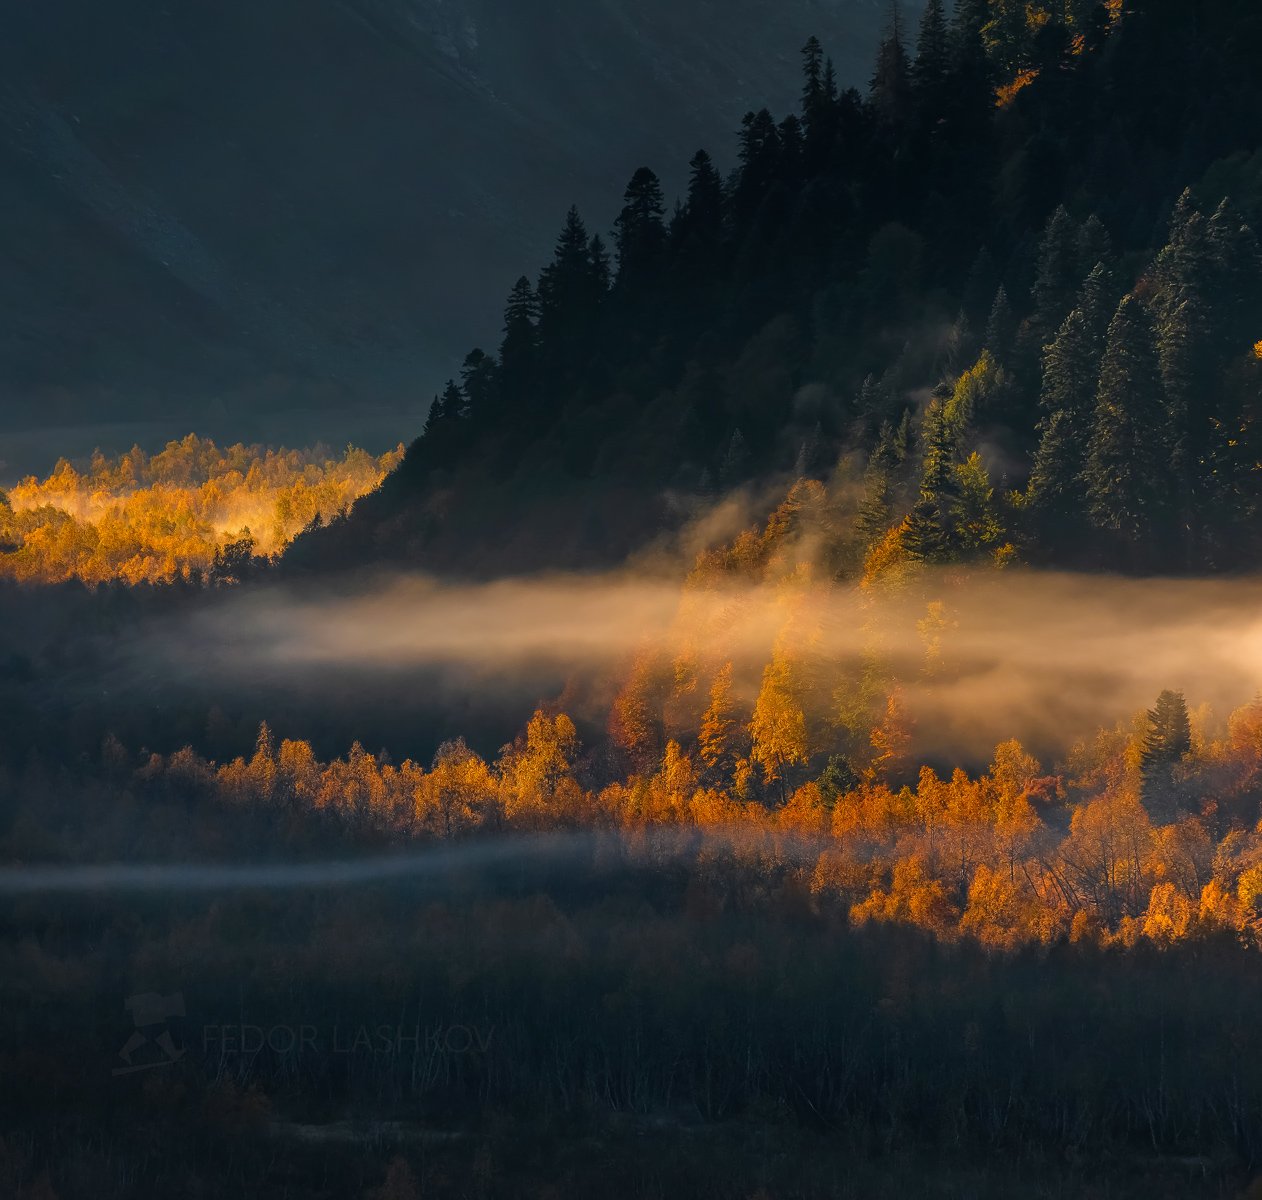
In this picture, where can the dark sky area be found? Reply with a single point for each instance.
(288, 219)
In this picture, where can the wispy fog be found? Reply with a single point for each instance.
(1046, 656)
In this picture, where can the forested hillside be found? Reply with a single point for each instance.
(1016, 277)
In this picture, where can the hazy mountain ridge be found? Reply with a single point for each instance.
(204, 196)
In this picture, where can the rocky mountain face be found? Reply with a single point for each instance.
(290, 219)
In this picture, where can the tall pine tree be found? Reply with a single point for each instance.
(1128, 474)
(1055, 494)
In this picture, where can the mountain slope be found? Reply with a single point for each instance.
(204, 196)
(882, 276)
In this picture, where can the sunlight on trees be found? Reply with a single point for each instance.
(192, 510)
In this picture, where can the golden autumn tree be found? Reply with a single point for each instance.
(720, 738)
(890, 740)
(913, 897)
(457, 793)
(1106, 855)
(635, 721)
(262, 769)
(298, 773)
(538, 771)
(1014, 776)
(805, 812)
(667, 796)
(778, 728)
(1005, 912)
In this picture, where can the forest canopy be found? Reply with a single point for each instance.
(186, 512)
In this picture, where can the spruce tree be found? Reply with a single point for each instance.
(1001, 327)
(703, 211)
(519, 351)
(1070, 378)
(1093, 246)
(641, 234)
(931, 530)
(452, 402)
(813, 97)
(1167, 742)
(1097, 301)
(791, 148)
(571, 296)
(1058, 274)
(932, 62)
(1236, 263)
(446, 410)
(598, 257)
(890, 88)
(696, 235)
(1127, 474)
(568, 287)
(480, 383)
(967, 22)
(760, 162)
(876, 509)
(1188, 378)
(974, 513)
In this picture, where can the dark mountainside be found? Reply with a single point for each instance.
(925, 270)
(288, 219)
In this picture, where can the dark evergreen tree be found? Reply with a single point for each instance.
(792, 146)
(703, 212)
(435, 418)
(1097, 301)
(876, 509)
(445, 412)
(569, 290)
(1094, 246)
(519, 351)
(641, 233)
(1237, 265)
(480, 383)
(817, 104)
(1001, 327)
(1128, 474)
(760, 161)
(930, 530)
(1058, 275)
(1188, 379)
(930, 70)
(1167, 742)
(1070, 377)
(452, 402)
(1184, 265)
(967, 22)
(890, 88)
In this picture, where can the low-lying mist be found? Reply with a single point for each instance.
(981, 656)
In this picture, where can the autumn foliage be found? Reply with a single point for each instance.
(1011, 857)
(154, 518)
